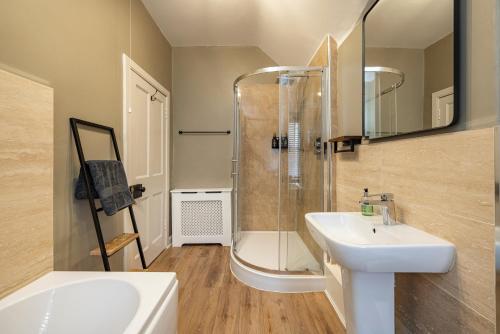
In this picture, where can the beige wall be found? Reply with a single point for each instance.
(148, 47)
(410, 95)
(438, 72)
(202, 98)
(447, 189)
(26, 176)
(77, 47)
(482, 85)
(350, 84)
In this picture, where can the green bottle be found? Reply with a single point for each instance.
(366, 208)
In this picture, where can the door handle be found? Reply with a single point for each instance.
(137, 190)
(234, 167)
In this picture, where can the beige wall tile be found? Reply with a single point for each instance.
(422, 307)
(443, 184)
(258, 188)
(26, 176)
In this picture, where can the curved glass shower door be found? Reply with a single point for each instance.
(275, 186)
(381, 101)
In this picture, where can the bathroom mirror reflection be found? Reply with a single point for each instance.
(408, 67)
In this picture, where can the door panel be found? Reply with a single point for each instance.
(146, 156)
(156, 210)
(138, 145)
(141, 216)
(156, 139)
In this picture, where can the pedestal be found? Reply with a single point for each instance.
(368, 302)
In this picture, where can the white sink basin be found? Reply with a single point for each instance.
(369, 253)
(363, 243)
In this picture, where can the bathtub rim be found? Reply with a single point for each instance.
(153, 289)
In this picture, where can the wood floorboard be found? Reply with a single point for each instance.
(212, 300)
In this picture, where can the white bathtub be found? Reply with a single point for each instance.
(93, 302)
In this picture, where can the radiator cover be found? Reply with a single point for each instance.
(201, 216)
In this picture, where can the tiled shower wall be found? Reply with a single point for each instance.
(259, 164)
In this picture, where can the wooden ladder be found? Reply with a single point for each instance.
(105, 249)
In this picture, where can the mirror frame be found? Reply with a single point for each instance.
(459, 73)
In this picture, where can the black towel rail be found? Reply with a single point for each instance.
(123, 240)
(225, 132)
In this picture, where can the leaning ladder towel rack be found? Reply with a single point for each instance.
(122, 240)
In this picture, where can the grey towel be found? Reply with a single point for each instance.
(109, 184)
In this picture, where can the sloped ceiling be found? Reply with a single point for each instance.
(289, 31)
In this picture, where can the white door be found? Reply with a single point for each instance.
(146, 163)
(442, 107)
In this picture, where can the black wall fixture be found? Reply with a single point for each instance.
(184, 132)
(348, 143)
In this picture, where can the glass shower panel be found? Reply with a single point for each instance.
(301, 169)
(256, 232)
(381, 103)
(274, 187)
(371, 103)
(236, 204)
(287, 107)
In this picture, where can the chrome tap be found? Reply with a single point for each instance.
(386, 203)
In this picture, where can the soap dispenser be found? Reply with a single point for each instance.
(366, 207)
(284, 141)
(275, 141)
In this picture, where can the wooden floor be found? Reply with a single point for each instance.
(211, 300)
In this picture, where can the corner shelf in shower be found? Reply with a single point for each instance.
(348, 143)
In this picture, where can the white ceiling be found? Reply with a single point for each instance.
(289, 31)
(409, 24)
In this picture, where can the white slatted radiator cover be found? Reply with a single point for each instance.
(201, 216)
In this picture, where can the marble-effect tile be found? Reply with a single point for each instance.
(26, 176)
(443, 184)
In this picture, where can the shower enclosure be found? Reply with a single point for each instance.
(273, 188)
(381, 100)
